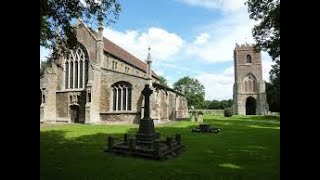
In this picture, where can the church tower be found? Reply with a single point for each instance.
(249, 94)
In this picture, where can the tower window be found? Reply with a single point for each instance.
(249, 59)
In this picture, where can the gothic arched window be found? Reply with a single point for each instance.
(250, 83)
(76, 69)
(246, 86)
(250, 86)
(122, 96)
(249, 59)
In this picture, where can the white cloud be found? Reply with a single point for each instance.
(218, 86)
(224, 5)
(202, 38)
(266, 65)
(163, 43)
(223, 34)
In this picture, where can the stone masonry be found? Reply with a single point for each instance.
(249, 87)
(101, 83)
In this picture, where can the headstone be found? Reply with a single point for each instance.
(200, 118)
(193, 118)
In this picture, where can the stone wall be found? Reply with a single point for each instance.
(63, 105)
(168, 105)
(114, 118)
(87, 39)
(182, 107)
(164, 105)
(108, 78)
(49, 107)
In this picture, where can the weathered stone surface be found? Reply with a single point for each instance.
(243, 71)
(165, 104)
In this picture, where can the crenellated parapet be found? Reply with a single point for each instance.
(244, 46)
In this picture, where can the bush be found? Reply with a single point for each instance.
(227, 112)
(200, 112)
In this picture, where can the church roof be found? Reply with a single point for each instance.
(122, 54)
(125, 56)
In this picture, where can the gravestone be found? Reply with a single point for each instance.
(200, 118)
(206, 129)
(193, 118)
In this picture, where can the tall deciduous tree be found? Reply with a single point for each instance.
(56, 17)
(194, 90)
(44, 65)
(267, 36)
(163, 80)
(273, 89)
(267, 32)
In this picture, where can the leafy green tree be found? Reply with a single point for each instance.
(194, 90)
(215, 104)
(56, 17)
(44, 65)
(267, 32)
(267, 36)
(223, 104)
(206, 104)
(273, 89)
(229, 103)
(163, 80)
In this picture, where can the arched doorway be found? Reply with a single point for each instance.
(251, 106)
(74, 113)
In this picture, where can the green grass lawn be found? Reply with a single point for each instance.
(247, 148)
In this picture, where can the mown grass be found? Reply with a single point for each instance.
(247, 148)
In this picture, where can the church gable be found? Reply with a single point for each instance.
(88, 40)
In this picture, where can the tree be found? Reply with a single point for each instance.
(267, 32)
(230, 103)
(273, 89)
(194, 90)
(267, 36)
(56, 17)
(163, 80)
(44, 65)
(215, 104)
(205, 104)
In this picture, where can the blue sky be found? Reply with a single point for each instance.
(192, 38)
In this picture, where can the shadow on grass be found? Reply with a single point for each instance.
(237, 152)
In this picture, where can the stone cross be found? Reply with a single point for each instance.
(146, 125)
(146, 93)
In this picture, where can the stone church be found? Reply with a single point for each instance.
(99, 82)
(249, 92)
